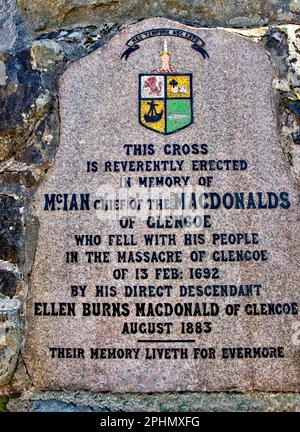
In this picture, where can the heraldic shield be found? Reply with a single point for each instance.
(165, 101)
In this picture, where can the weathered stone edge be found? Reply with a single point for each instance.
(66, 13)
(156, 402)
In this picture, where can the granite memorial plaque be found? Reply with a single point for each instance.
(166, 256)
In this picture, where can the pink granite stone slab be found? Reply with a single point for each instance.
(234, 116)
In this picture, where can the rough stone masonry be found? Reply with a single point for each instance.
(47, 128)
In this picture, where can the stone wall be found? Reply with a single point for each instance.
(38, 40)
